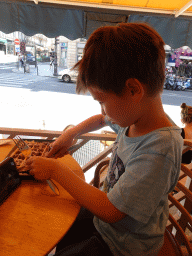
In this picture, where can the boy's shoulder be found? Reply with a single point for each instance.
(161, 140)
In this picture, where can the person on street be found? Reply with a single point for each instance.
(22, 60)
(186, 119)
(51, 62)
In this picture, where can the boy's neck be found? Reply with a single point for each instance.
(152, 118)
(189, 125)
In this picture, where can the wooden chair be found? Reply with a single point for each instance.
(176, 242)
(180, 219)
(100, 173)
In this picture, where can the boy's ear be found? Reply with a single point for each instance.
(134, 87)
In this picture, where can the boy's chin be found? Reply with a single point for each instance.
(121, 124)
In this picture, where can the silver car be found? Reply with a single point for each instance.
(68, 75)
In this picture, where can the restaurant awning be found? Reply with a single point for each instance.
(78, 19)
(171, 7)
(31, 19)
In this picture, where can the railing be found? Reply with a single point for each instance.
(84, 142)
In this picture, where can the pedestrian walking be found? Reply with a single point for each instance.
(51, 62)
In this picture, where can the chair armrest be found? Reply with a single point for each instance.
(99, 169)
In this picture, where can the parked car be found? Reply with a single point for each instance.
(45, 59)
(30, 59)
(68, 75)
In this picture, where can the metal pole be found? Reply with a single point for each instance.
(24, 66)
(55, 58)
(35, 57)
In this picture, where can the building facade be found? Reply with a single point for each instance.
(8, 46)
(69, 52)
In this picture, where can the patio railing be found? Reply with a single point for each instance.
(91, 149)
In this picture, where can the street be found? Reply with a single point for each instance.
(7, 68)
(175, 98)
(35, 83)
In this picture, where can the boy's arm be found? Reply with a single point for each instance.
(88, 196)
(60, 146)
(91, 124)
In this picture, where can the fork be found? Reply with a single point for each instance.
(26, 151)
(22, 145)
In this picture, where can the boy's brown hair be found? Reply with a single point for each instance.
(114, 54)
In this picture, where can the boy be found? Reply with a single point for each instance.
(123, 69)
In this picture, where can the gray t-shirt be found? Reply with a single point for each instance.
(142, 171)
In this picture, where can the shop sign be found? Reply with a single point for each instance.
(63, 44)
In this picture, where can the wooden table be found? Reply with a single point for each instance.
(33, 219)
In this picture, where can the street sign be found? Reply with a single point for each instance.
(17, 48)
(16, 41)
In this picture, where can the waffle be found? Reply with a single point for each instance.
(37, 148)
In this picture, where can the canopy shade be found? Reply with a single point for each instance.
(79, 19)
(31, 19)
(175, 32)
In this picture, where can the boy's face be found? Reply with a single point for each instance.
(121, 109)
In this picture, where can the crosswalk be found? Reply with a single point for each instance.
(18, 80)
(3, 66)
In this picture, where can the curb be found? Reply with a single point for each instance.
(41, 70)
(31, 73)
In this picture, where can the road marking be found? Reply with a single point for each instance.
(7, 67)
(18, 80)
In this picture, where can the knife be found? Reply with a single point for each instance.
(51, 184)
(53, 187)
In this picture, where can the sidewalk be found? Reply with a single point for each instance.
(9, 58)
(43, 69)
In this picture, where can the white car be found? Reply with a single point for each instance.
(67, 75)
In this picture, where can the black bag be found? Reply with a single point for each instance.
(9, 178)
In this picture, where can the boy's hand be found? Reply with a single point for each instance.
(41, 167)
(60, 146)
